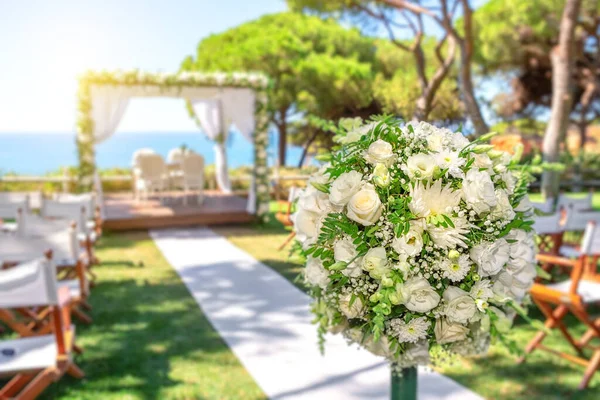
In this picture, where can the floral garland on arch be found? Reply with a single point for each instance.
(417, 242)
(166, 81)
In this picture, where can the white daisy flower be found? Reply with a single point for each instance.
(457, 269)
(411, 332)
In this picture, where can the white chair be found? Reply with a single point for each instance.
(177, 154)
(548, 224)
(151, 176)
(546, 206)
(92, 208)
(576, 204)
(192, 167)
(33, 363)
(10, 202)
(66, 253)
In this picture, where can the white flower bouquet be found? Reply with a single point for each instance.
(416, 239)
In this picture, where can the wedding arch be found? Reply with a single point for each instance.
(216, 100)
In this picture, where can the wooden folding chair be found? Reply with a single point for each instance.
(284, 214)
(572, 296)
(32, 363)
(65, 250)
(78, 211)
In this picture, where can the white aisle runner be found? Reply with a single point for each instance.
(265, 320)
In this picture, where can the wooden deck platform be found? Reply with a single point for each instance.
(123, 213)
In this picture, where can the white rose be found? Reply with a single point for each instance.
(315, 273)
(380, 151)
(351, 311)
(507, 288)
(381, 175)
(419, 296)
(503, 209)
(447, 332)
(420, 166)
(436, 140)
(306, 224)
(478, 191)
(375, 262)
(411, 244)
(344, 187)
(490, 257)
(321, 176)
(460, 307)
(482, 161)
(344, 250)
(510, 181)
(314, 201)
(365, 206)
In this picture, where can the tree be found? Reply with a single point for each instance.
(391, 12)
(316, 66)
(521, 39)
(562, 95)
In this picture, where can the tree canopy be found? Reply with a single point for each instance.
(317, 67)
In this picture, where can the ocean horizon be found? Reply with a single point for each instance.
(37, 153)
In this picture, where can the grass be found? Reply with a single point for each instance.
(149, 339)
(498, 376)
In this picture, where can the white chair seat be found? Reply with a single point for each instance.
(569, 251)
(90, 225)
(31, 354)
(74, 288)
(588, 290)
(91, 235)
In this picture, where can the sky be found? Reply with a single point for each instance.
(45, 44)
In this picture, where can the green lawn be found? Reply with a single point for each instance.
(149, 339)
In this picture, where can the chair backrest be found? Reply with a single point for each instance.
(546, 206)
(32, 225)
(64, 245)
(176, 155)
(138, 154)
(576, 204)
(577, 221)
(192, 166)
(70, 211)
(88, 200)
(151, 167)
(10, 210)
(590, 244)
(29, 284)
(546, 225)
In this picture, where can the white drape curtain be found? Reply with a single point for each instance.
(209, 113)
(108, 107)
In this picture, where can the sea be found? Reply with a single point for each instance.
(39, 153)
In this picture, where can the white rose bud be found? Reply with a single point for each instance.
(375, 262)
(420, 166)
(345, 251)
(365, 206)
(381, 175)
(380, 151)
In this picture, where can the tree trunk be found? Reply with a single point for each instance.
(281, 124)
(562, 96)
(306, 146)
(282, 128)
(466, 78)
